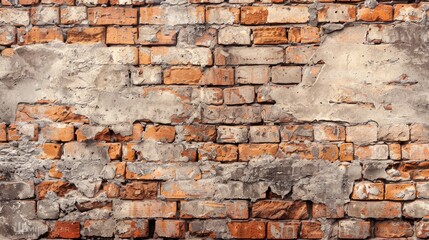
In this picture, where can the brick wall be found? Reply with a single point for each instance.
(198, 119)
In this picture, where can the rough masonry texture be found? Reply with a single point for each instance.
(213, 119)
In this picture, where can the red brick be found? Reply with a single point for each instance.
(86, 35)
(279, 209)
(112, 190)
(381, 13)
(183, 75)
(139, 190)
(129, 154)
(366, 209)
(112, 16)
(247, 152)
(354, 229)
(311, 230)
(114, 151)
(323, 211)
(269, 35)
(60, 188)
(199, 133)
(422, 229)
(136, 228)
(121, 35)
(368, 191)
(239, 95)
(57, 2)
(65, 229)
(170, 228)
(218, 76)
(163, 134)
(393, 229)
(346, 152)
(249, 230)
(58, 132)
(39, 35)
(414, 170)
(50, 151)
(400, 191)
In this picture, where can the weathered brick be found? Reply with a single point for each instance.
(160, 133)
(183, 75)
(154, 35)
(414, 170)
(247, 152)
(381, 13)
(415, 151)
(86, 35)
(393, 229)
(89, 132)
(249, 230)
(269, 35)
(218, 152)
(408, 12)
(264, 134)
(394, 132)
(368, 191)
(245, 55)
(144, 209)
(16, 190)
(172, 15)
(324, 211)
(300, 54)
(286, 74)
(416, 209)
(47, 209)
(279, 209)
(329, 132)
(45, 15)
(218, 76)
(252, 74)
(100, 228)
(20, 131)
(210, 209)
(60, 188)
(311, 230)
(283, 230)
(167, 152)
(139, 191)
(222, 15)
(422, 229)
(294, 35)
(177, 56)
(310, 34)
(232, 134)
(13, 16)
(65, 229)
(232, 114)
(37, 35)
(136, 228)
(354, 229)
(58, 132)
(197, 133)
(121, 35)
(212, 228)
(400, 191)
(239, 95)
(154, 171)
(112, 16)
(422, 189)
(337, 13)
(58, 2)
(234, 36)
(73, 15)
(213, 96)
(170, 228)
(146, 75)
(366, 133)
(255, 15)
(7, 35)
(419, 132)
(50, 151)
(145, 55)
(382, 209)
(296, 133)
(395, 151)
(379, 151)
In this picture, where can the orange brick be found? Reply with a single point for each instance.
(368, 191)
(400, 191)
(115, 150)
(3, 132)
(218, 76)
(269, 35)
(218, 152)
(19, 131)
(408, 12)
(395, 151)
(393, 229)
(249, 230)
(112, 16)
(183, 75)
(112, 190)
(246, 152)
(129, 154)
(415, 151)
(58, 132)
(294, 35)
(65, 229)
(7, 35)
(88, 132)
(328, 152)
(199, 133)
(135, 136)
(311, 230)
(60, 188)
(280, 209)
(164, 134)
(8, 52)
(145, 56)
(28, 2)
(121, 35)
(381, 13)
(346, 152)
(86, 35)
(57, 2)
(337, 13)
(139, 190)
(310, 34)
(136, 228)
(54, 113)
(39, 35)
(252, 15)
(50, 151)
(170, 228)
